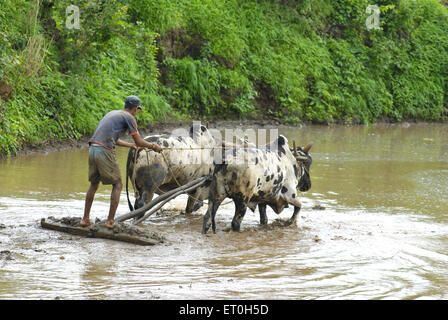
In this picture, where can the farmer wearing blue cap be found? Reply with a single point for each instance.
(103, 165)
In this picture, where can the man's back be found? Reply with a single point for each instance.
(114, 124)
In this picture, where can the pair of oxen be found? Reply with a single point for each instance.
(268, 175)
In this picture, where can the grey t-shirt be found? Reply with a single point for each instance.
(112, 126)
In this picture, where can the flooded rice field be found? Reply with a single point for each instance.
(373, 226)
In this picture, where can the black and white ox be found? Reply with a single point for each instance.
(265, 175)
(186, 157)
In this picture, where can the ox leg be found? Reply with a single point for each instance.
(195, 199)
(216, 195)
(214, 209)
(213, 206)
(201, 194)
(293, 218)
(192, 204)
(240, 211)
(144, 199)
(291, 198)
(148, 179)
(263, 216)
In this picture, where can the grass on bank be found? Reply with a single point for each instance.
(297, 61)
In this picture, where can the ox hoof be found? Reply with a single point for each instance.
(235, 226)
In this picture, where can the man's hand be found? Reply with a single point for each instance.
(145, 144)
(156, 148)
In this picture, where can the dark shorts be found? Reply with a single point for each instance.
(103, 166)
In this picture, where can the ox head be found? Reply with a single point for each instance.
(201, 135)
(304, 160)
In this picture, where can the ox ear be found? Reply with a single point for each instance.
(308, 147)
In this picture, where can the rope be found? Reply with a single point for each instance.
(205, 148)
(169, 169)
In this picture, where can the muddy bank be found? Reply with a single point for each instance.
(155, 128)
(166, 127)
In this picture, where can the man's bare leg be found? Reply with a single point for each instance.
(114, 200)
(88, 204)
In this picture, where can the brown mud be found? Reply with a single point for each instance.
(120, 232)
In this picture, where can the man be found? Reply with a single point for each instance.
(103, 165)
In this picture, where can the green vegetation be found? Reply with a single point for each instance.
(298, 61)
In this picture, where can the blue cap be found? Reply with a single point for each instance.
(131, 102)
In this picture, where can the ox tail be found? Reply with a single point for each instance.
(131, 155)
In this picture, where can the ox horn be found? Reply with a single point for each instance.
(294, 148)
(308, 147)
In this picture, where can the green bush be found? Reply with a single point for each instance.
(300, 61)
(77, 75)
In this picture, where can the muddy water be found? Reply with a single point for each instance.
(383, 233)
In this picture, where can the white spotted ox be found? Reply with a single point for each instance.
(266, 175)
(186, 157)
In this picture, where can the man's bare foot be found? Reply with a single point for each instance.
(109, 224)
(85, 222)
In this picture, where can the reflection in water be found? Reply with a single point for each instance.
(382, 235)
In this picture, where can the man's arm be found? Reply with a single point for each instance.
(145, 144)
(122, 143)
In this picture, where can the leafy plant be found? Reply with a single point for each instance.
(298, 61)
